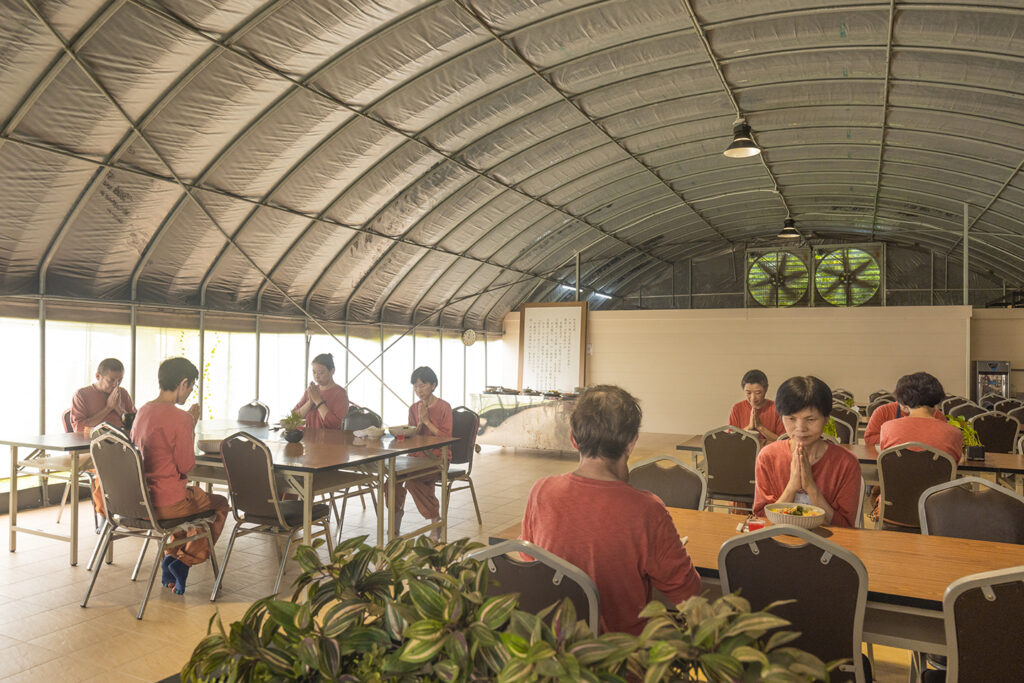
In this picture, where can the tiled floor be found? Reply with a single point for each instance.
(46, 636)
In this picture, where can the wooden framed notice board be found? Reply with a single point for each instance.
(552, 346)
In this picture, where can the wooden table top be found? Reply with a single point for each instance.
(62, 441)
(322, 449)
(993, 462)
(905, 569)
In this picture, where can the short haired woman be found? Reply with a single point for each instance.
(324, 403)
(431, 416)
(165, 435)
(806, 468)
(756, 413)
(919, 394)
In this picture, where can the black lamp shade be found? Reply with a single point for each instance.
(742, 144)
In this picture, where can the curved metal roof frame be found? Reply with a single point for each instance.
(446, 160)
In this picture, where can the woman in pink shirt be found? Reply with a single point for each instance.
(324, 403)
(165, 435)
(919, 394)
(806, 468)
(431, 416)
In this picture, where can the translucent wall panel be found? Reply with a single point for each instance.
(428, 353)
(19, 404)
(495, 362)
(397, 369)
(73, 351)
(476, 369)
(452, 367)
(283, 372)
(156, 344)
(363, 388)
(229, 373)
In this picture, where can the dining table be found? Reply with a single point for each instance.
(73, 449)
(907, 573)
(323, 451)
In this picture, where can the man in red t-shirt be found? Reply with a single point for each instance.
(102, 401)
(756, 413)
(623, 538)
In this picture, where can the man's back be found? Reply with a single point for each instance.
(621, 537)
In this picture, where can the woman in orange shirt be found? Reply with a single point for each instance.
(324, 403)
(806, 468)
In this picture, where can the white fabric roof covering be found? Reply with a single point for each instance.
(386, 161)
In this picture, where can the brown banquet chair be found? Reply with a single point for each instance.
(974, 508)
(997, 431)
(730, 456)
(827, 583)
(904, 472)
(679, 485)
(465, 425)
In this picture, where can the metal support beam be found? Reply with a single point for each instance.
(257, 388)
(577, 276)
(967, 226)
(202, 358)
(42, 368)
(134, 351)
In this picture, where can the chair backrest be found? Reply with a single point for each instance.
(542, 582)
(250, 474)
(254, 411)
(877, 403)
(730, 454)
(841, 395)
(65, 419)
(1017, 414)
(975, 508)
(904, 472)
(989, 400)
(465, 425)
(1020, 445)
(845, 433)
(1006, 405)
(881, 393)
(678, 486)
(984, 627)
(997, 431)
(952, 402)
(122, 477)
(764, 570)
(848, 415)
(361, 418)
(966, 410)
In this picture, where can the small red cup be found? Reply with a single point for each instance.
(755, 524)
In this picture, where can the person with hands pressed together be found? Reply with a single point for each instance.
(324, 403)
(805, 468)
(102, 401)
(165, 435)
(431, 416)
(756, 413)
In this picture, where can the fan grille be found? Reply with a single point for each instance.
(777, 279)
(847, 277)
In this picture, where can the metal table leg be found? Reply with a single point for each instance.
(380, 504)
(75, 461)
(307, 508)
(391, 498)
(14, 499)
(444, 495)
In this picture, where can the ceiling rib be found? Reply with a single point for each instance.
(988, 206)
(124, 114)
(415, 137)
(593, 122)
(728, 91)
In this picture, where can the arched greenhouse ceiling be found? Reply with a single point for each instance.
(389, 161)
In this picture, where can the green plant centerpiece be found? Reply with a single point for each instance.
(973, 448)
(831, 429)
(415, 611)
(292, 426)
